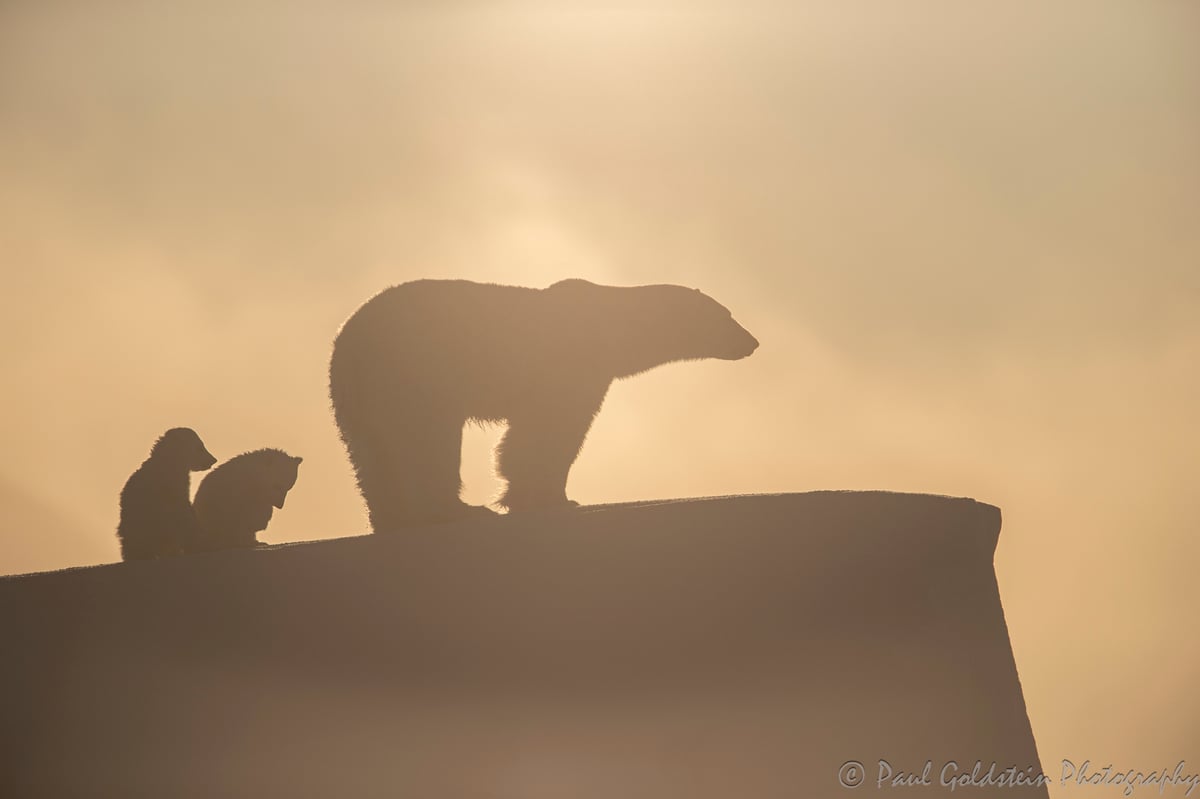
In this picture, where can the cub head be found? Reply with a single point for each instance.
(280, 476)
(181, 446)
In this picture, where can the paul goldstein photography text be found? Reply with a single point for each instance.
(954, 775)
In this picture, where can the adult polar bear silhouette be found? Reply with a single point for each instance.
(418, 360)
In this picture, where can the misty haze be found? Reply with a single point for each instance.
(965, 236)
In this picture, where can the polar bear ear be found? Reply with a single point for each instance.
(572, 282)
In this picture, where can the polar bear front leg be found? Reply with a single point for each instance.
(535, 457)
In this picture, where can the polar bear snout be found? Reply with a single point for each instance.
(743, 346)
(751, 344)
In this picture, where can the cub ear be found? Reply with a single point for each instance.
(297, 460)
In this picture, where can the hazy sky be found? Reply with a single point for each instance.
(965, 234)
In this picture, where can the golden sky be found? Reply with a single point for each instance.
(965, 235)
